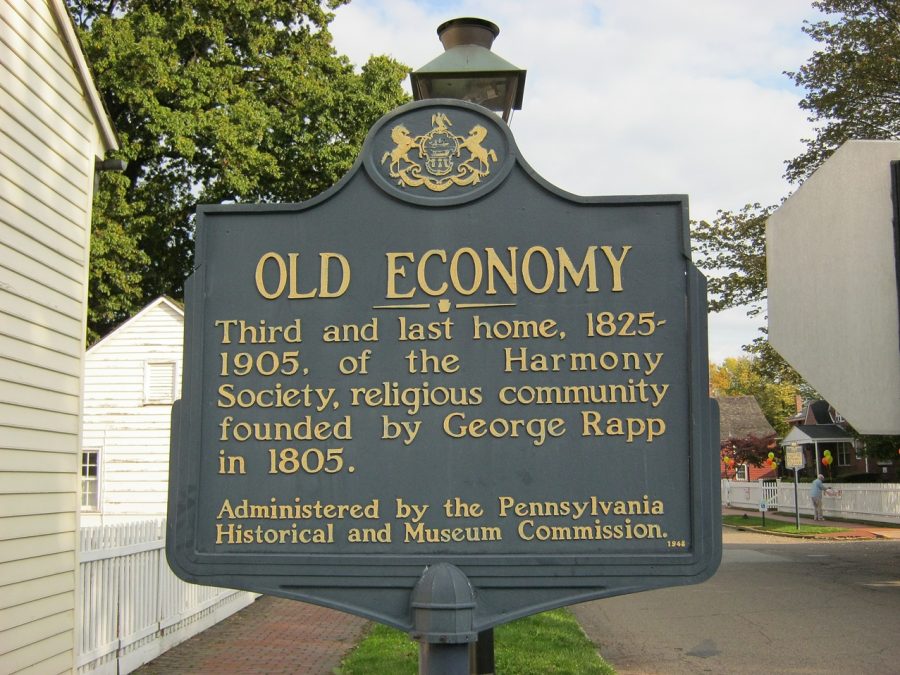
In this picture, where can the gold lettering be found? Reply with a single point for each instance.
(393, 271)
(293, 293)
(477, 271)
(282, 275)
(423, 280)
(589, 264)
(616, 265)
(526, 270)
(494, 264)
(325, 263)
(488, 268)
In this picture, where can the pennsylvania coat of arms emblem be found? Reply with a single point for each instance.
(439, 158)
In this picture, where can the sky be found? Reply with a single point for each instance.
(658, 97)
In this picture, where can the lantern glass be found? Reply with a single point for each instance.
(469, 71)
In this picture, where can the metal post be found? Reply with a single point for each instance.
(443, 659)
(484, 653)
(443, 609)
(796, 498)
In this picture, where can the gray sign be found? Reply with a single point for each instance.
(445, 359)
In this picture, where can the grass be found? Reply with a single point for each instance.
(542, 644)
(773, 525)
(384, 650)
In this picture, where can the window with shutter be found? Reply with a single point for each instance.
(159, 382)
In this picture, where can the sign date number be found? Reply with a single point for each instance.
(624, 324)
(311, 460)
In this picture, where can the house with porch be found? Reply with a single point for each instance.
(818, 427)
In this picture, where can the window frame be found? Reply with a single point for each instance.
(843, 454)
(86, 480)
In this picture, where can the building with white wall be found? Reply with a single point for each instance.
(53, 129)
(131, 378)
(833, 264)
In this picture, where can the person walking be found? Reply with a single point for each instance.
(815, 493)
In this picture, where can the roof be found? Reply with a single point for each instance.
(820, 413)
(177, 306)
(76, 54)
(817, 433)
(741, 417)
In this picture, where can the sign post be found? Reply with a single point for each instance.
(795, 459)
(445, 394)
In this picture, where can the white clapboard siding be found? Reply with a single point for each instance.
(52, 131)
(25, 460)
(127, 417)
(21, 505)
(41, 378)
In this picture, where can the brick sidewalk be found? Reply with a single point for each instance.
(273, 635)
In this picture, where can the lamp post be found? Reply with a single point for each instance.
(469, 70)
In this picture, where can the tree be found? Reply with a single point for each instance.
(853, 91)
(114, 280)
(214, 101)
(853, 83)
(750, 450)
(883, 448)
(733, 249)
(740, 376)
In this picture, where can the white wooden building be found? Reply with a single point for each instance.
(131, 378)
(53, 129)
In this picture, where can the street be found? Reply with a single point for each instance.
(776, 605)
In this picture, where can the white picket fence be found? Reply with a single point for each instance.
(872, 502)
(133, 608)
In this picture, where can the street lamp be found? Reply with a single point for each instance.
(469, 70)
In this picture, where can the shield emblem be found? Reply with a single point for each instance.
(438, 148)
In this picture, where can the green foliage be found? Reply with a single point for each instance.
(746, 376)
(217, 101)
(551, 642)
(882, 447)
(114, 283)
(878, 447)
(852, 91)
(733, 249)
(853, 81)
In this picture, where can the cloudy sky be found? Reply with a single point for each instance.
(658, 96)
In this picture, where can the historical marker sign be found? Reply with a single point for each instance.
(445, 359)
(793, 457)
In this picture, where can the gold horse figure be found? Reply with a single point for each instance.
(476, 151)
(405, 143)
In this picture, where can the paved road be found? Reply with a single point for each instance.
(776, 605)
